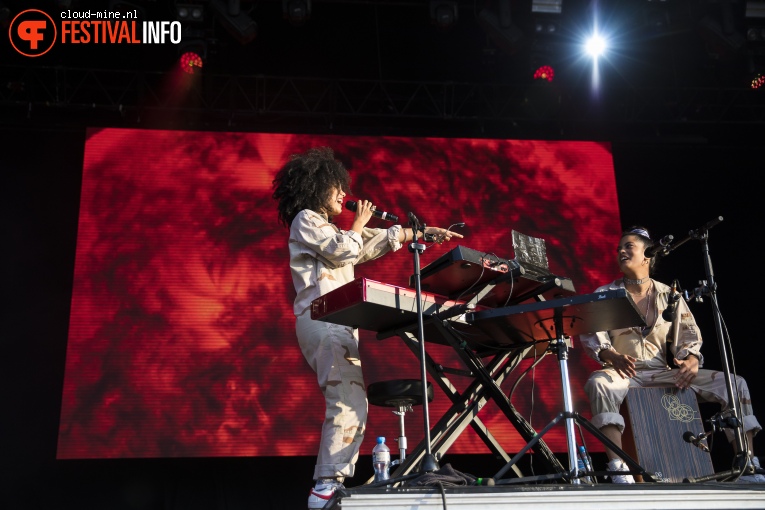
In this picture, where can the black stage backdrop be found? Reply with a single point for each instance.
(669, 187)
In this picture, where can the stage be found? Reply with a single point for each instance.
(149, 324)
(674, 496)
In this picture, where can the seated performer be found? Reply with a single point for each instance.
(634, 357)
(310, 190)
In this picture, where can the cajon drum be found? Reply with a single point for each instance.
(655, 421)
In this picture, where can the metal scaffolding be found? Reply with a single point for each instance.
(82, 96)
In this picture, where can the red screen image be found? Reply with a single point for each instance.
(182, 336)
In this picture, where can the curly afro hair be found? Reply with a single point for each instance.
(307, 181)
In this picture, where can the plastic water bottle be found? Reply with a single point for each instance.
(381, 460)
(583, 463)
(580, 465)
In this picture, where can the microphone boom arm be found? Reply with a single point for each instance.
(699, 233)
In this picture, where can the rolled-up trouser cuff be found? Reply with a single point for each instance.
(750, 423)
(601, 420)
(339, 471)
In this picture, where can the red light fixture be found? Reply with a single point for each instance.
(758, 82)
(544, 73)
(190, 61)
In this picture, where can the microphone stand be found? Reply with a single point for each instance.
(709, 287)
(429, 462)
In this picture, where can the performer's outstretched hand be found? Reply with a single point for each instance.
(441, 234)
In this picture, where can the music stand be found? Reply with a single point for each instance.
(554, 321)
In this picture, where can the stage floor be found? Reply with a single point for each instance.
(654, 496)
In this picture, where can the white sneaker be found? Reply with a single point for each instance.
(619, 465)
(322, 493)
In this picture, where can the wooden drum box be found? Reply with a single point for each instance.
(655, 421)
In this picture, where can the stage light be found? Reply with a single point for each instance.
(756, 70)
(547, 24)
(443, 14)
(238, 24)
(192, 55)
(755, 35)
(296, 12)
(189, 12)
(544, 73)
(595, 46)
(546, 28)
(547, 6)
(191, 61)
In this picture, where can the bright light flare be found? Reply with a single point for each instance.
(595, 46)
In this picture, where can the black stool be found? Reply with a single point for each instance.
(401, 394)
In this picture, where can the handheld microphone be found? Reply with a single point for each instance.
(352, 206)
(688, 437)
(670, 312)
(659, 249)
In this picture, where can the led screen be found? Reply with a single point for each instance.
(181, 339)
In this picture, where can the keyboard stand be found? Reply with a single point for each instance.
(555, 321)
(487, 379)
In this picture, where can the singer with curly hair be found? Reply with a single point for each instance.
(310, 190)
